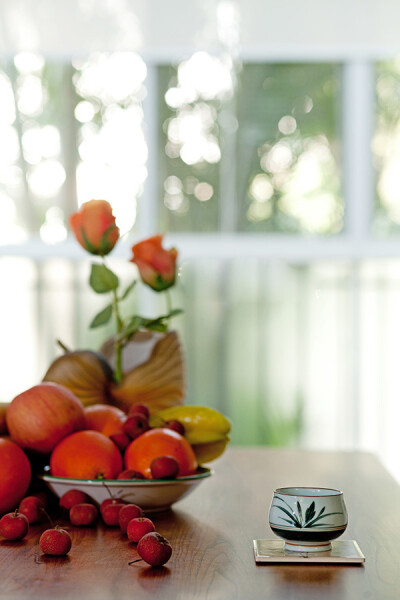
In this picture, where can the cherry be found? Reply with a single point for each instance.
(140, 408)
(154, 549)
(110, 513)
(138, 527)
(83, 514)
(175, 426)
(72, 497)
(56, 542)
(33, 508)
(108, 501)
(121, 440)
(164, 467)
(14, 526)
(127, 513)
(130, 474)
(135, 425)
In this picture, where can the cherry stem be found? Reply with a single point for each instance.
(63, 347)
(15, 512)
(108, 489)
(46, 514)
(135, 561)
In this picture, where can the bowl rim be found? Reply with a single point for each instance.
(283, 491)
(201, 473)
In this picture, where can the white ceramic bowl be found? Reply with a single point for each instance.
(308, 518)
(151, 495)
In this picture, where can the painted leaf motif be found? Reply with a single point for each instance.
(320, 516)
(299, 512)
(293, 519)
(287, 521)
(310, 512)
(292, 513)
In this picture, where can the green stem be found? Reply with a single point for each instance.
(118, 344)
(169, 304)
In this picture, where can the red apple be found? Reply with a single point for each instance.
(15, 475)
(43, 415)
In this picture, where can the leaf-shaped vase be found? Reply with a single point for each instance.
(154, 371)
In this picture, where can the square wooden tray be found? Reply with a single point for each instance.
(273, 551)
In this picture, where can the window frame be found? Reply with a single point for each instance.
(355, 242)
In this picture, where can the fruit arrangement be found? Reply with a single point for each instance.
(107, 415)
(97, 442)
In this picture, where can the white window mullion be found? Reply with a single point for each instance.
(359, 191)
(358, 107)
(147, 209)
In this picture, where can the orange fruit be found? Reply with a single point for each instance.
(104, 418)
(160, 442)
(86, 455)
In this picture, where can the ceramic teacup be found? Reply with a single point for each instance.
(307, 518)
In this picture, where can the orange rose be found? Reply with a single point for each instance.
(156, 265)
(94, 227)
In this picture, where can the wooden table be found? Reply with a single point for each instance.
(211, 532)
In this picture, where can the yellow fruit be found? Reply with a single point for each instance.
(202, 424)
(207, 452)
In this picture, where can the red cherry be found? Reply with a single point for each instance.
(108, 501)
(14, 526)
(33, 508)
(121, 440)
(72, 497)
(130, 474)
(139, 408)
(110, 513)
(83, 514)
(137, 528)
(127, 513)
(164, 467)
(135, 425)
(56, 542)
(175, 426)
(154, 549)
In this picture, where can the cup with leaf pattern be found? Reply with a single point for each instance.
(307, 518)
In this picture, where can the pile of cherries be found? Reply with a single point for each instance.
(152, 547)
(137, 422)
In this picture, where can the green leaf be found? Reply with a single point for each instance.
(102, 317)
(102, 279)
(130, 328)
(174, 312)
(128, 290)
(154, 326)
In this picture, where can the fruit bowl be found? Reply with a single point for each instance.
(151, 495)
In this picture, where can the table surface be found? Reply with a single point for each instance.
(211, 532)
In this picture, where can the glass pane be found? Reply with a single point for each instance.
(70, 132)
(386, 149)
(274, 135)
(288, 148)
(192, 98)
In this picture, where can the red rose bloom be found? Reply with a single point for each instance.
(94, 227)
(157, 266)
